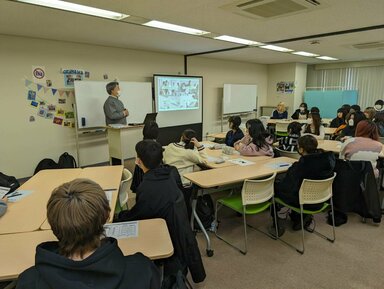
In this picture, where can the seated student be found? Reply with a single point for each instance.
(369, 113)
(3, 206)
(346, 107)
(280, 112)
(256, 141)
(339, 119)
(379, 121)
(313, 164)
(235, 133)
(289, 143)
(302, 112)
(315, 109)
(150, 131)
(379, 105)
(82, 257)
(364, 146)
(352, 119)
(159, 196)
(314, 126)
(355, 108)
(185, 154)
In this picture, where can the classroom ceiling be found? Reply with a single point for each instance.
(351, 30)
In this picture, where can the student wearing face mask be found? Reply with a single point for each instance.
(314, 126)
(339, 119)
(114, 110)
(352, 119)
(379, 106)
(302, 112)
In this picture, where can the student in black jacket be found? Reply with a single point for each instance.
(302, 112)
(235, 133)
(313, 164)
(159, 196)
(83, 258)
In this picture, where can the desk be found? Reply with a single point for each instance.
(220, 135)
(28, 214)
(116, 145)
(329, 130)
(230, 175)
(17, 251)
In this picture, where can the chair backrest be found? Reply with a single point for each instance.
(264, 119)
(281, 126)
(124, 187)
(293, 155)
(316, 191)
(257, 191)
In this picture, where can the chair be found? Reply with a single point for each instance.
(281, 128)
(124, 188)
(313, 192)
(256, 197)
(293, 155)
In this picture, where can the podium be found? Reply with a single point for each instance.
(121, 142)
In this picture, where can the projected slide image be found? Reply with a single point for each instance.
(178, 93)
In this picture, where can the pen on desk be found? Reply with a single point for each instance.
(107, 190)
(284, 165)
(14, 195)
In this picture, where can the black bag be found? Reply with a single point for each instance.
(67, 161)
(9, 182)
(205, 210)
(46, 164)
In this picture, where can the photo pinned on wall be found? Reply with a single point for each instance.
(42, 112)
(69, 114)
(67, 123)
(285, 86)
(34, 103)
(62, 100)
(58, 120)
(38, 74)
(31, 95)
(73, 125)
(87, 74)
(51, 107)
(31, 118)
(49, 115)
(60, 112)
(49, 82)
(41, 102)
(105, 76)
(69, 79)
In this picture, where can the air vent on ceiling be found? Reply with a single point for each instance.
(266, 9)
(369, 45)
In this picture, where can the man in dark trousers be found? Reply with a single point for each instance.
(159, 196)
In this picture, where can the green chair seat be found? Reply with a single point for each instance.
(297, 210)
(235, 203)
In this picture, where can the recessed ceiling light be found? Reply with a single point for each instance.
(327, 58)
(276, 48)
(303, 53)
(68, 6)
(173, 27)
(238, 40)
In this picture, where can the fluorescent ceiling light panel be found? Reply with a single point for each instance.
(238, 40)
(173, 27)
(68, 6)
(276, 48)
(303, 53)
(327, 58)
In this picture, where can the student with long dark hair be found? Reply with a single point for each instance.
(314, 126)
(339, 119)
(256, 141)
(352, 120)
(302, 112)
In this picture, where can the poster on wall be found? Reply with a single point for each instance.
(38, 74)
(285, 86)
(72, 75)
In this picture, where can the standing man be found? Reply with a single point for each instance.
(114, 110)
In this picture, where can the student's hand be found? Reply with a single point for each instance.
(5, 199)
(126, 113)
(195, 142)
(343, 139)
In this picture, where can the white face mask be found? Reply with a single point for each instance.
(118, 93)
(302, 109)
(378, 107)
(309, 120)
(350, 122)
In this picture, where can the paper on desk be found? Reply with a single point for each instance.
(3, 191)
(122, 230)
(19, 194)
(117, 125)
(276, 166)
(108, 194)
(241, 162)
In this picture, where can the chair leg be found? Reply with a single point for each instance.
(302, 230)
(245, 231)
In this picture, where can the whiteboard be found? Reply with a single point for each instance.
(239, 98)
(91, 95)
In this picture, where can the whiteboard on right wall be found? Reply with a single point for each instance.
(239, 98)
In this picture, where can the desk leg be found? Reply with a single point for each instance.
(195, 216)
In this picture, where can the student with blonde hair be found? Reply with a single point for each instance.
(83, 257)
(280, 112)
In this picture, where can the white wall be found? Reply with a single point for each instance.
(23, 144)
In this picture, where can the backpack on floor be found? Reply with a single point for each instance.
(9, 182)
(46, 164)
(67, 161)
(205, 210)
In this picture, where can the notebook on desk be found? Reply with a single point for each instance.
(148, 118)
